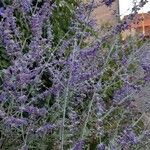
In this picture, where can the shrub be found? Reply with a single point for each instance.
(67, 92)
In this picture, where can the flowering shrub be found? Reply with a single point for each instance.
(75, 93)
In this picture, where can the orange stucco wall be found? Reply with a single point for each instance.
(143, 26)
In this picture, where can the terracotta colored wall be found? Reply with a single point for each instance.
(146, 24)
(145, 17)
(137, 26)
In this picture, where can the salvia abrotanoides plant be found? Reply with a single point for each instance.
(76, 92)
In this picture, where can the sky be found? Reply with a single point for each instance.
(126, 5)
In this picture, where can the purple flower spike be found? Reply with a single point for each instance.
(79, 145)
(101, 146)
(45, 129)
(1, 11)
(26, 4)
(145, 61)
(15, 122)
(34, 110)
(128, 137)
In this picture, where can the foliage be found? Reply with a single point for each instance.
(60, 26)
(69, 91)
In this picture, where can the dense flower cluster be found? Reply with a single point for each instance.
(63, 93)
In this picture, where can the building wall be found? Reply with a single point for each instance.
(143, 26)
(139, 25)
(104, 14)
